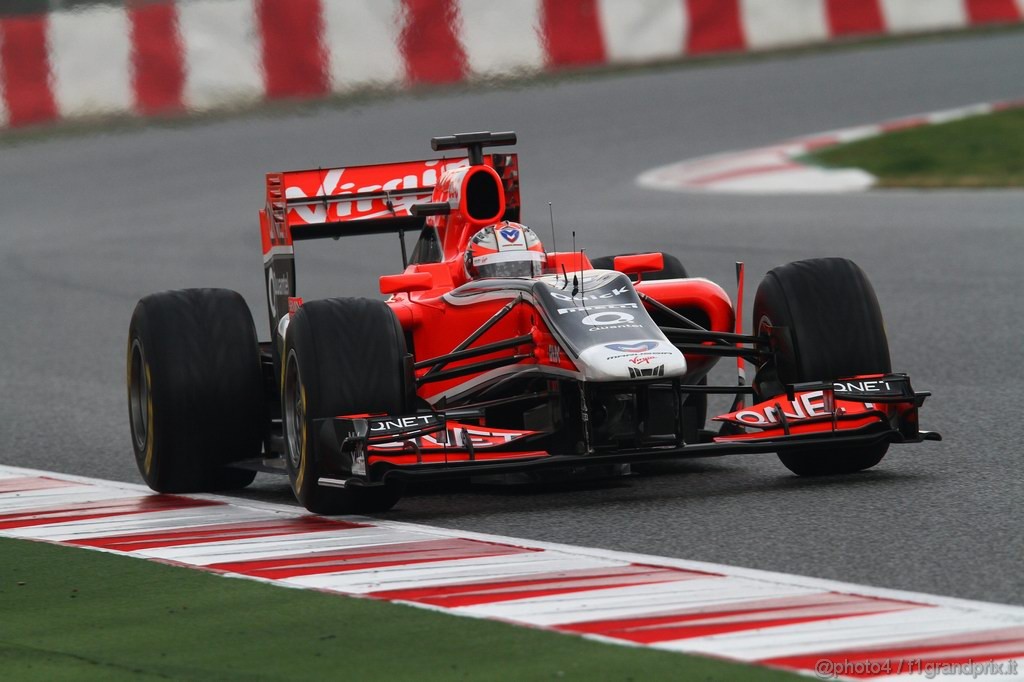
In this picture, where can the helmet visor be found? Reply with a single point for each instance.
(510, 264)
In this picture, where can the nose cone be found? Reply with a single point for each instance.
(637, 359)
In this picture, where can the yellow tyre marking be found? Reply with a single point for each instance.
(284, 366)
(303, 456)
(149, 421)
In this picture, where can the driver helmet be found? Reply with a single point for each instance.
(506, 249)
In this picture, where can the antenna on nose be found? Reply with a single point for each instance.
(551, 216)
(575, 278)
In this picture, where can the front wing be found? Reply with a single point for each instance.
(857, 412)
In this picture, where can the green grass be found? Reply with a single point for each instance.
(980, 151)
(75, 614)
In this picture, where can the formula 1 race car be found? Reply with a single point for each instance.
(493, 355)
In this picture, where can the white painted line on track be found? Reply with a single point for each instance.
(778, 168)
(774, 619)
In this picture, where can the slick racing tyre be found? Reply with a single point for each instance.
(835, 330)
(342, 356)
(195, 390)
(673, 267)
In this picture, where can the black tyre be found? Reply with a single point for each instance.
(673, 267)
(195, 390)
(835, 330)
(342, 356)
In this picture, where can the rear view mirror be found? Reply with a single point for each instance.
(407, 281)
(639, 263)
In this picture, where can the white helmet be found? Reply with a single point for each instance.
(505, 250)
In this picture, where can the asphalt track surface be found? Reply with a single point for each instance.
(89, 224)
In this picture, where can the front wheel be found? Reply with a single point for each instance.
(195, 390)
(342, 356)
(834, 329)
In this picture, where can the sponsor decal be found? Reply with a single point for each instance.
(865, 386)
(641, 359)
(805, 406)
(276, 287)
(610, 320)
(510, 234)
(639, 347)
(333, 184)
(629, 356)
(458, 437)
(604, 319)
(610, 327)
(590, 297)
(639, 372)
(606, 306)
(402, 423)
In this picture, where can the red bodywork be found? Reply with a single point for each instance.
(435, 326)
(453, 200)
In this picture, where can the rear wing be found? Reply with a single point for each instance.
(360, 200)
(374, 199)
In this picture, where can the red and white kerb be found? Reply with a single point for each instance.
(783, 621)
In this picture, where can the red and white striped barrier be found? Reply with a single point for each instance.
(778, 168)
(166, 58)
(826, 628)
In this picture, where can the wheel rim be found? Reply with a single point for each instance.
(294, 412)
(138, 396)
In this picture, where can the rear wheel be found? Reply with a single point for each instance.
(342, 356)
(195, 390)
(673, 267)
(835, 330)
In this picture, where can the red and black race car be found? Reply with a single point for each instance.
(492, 355)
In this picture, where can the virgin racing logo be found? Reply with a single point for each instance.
(424, 176)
